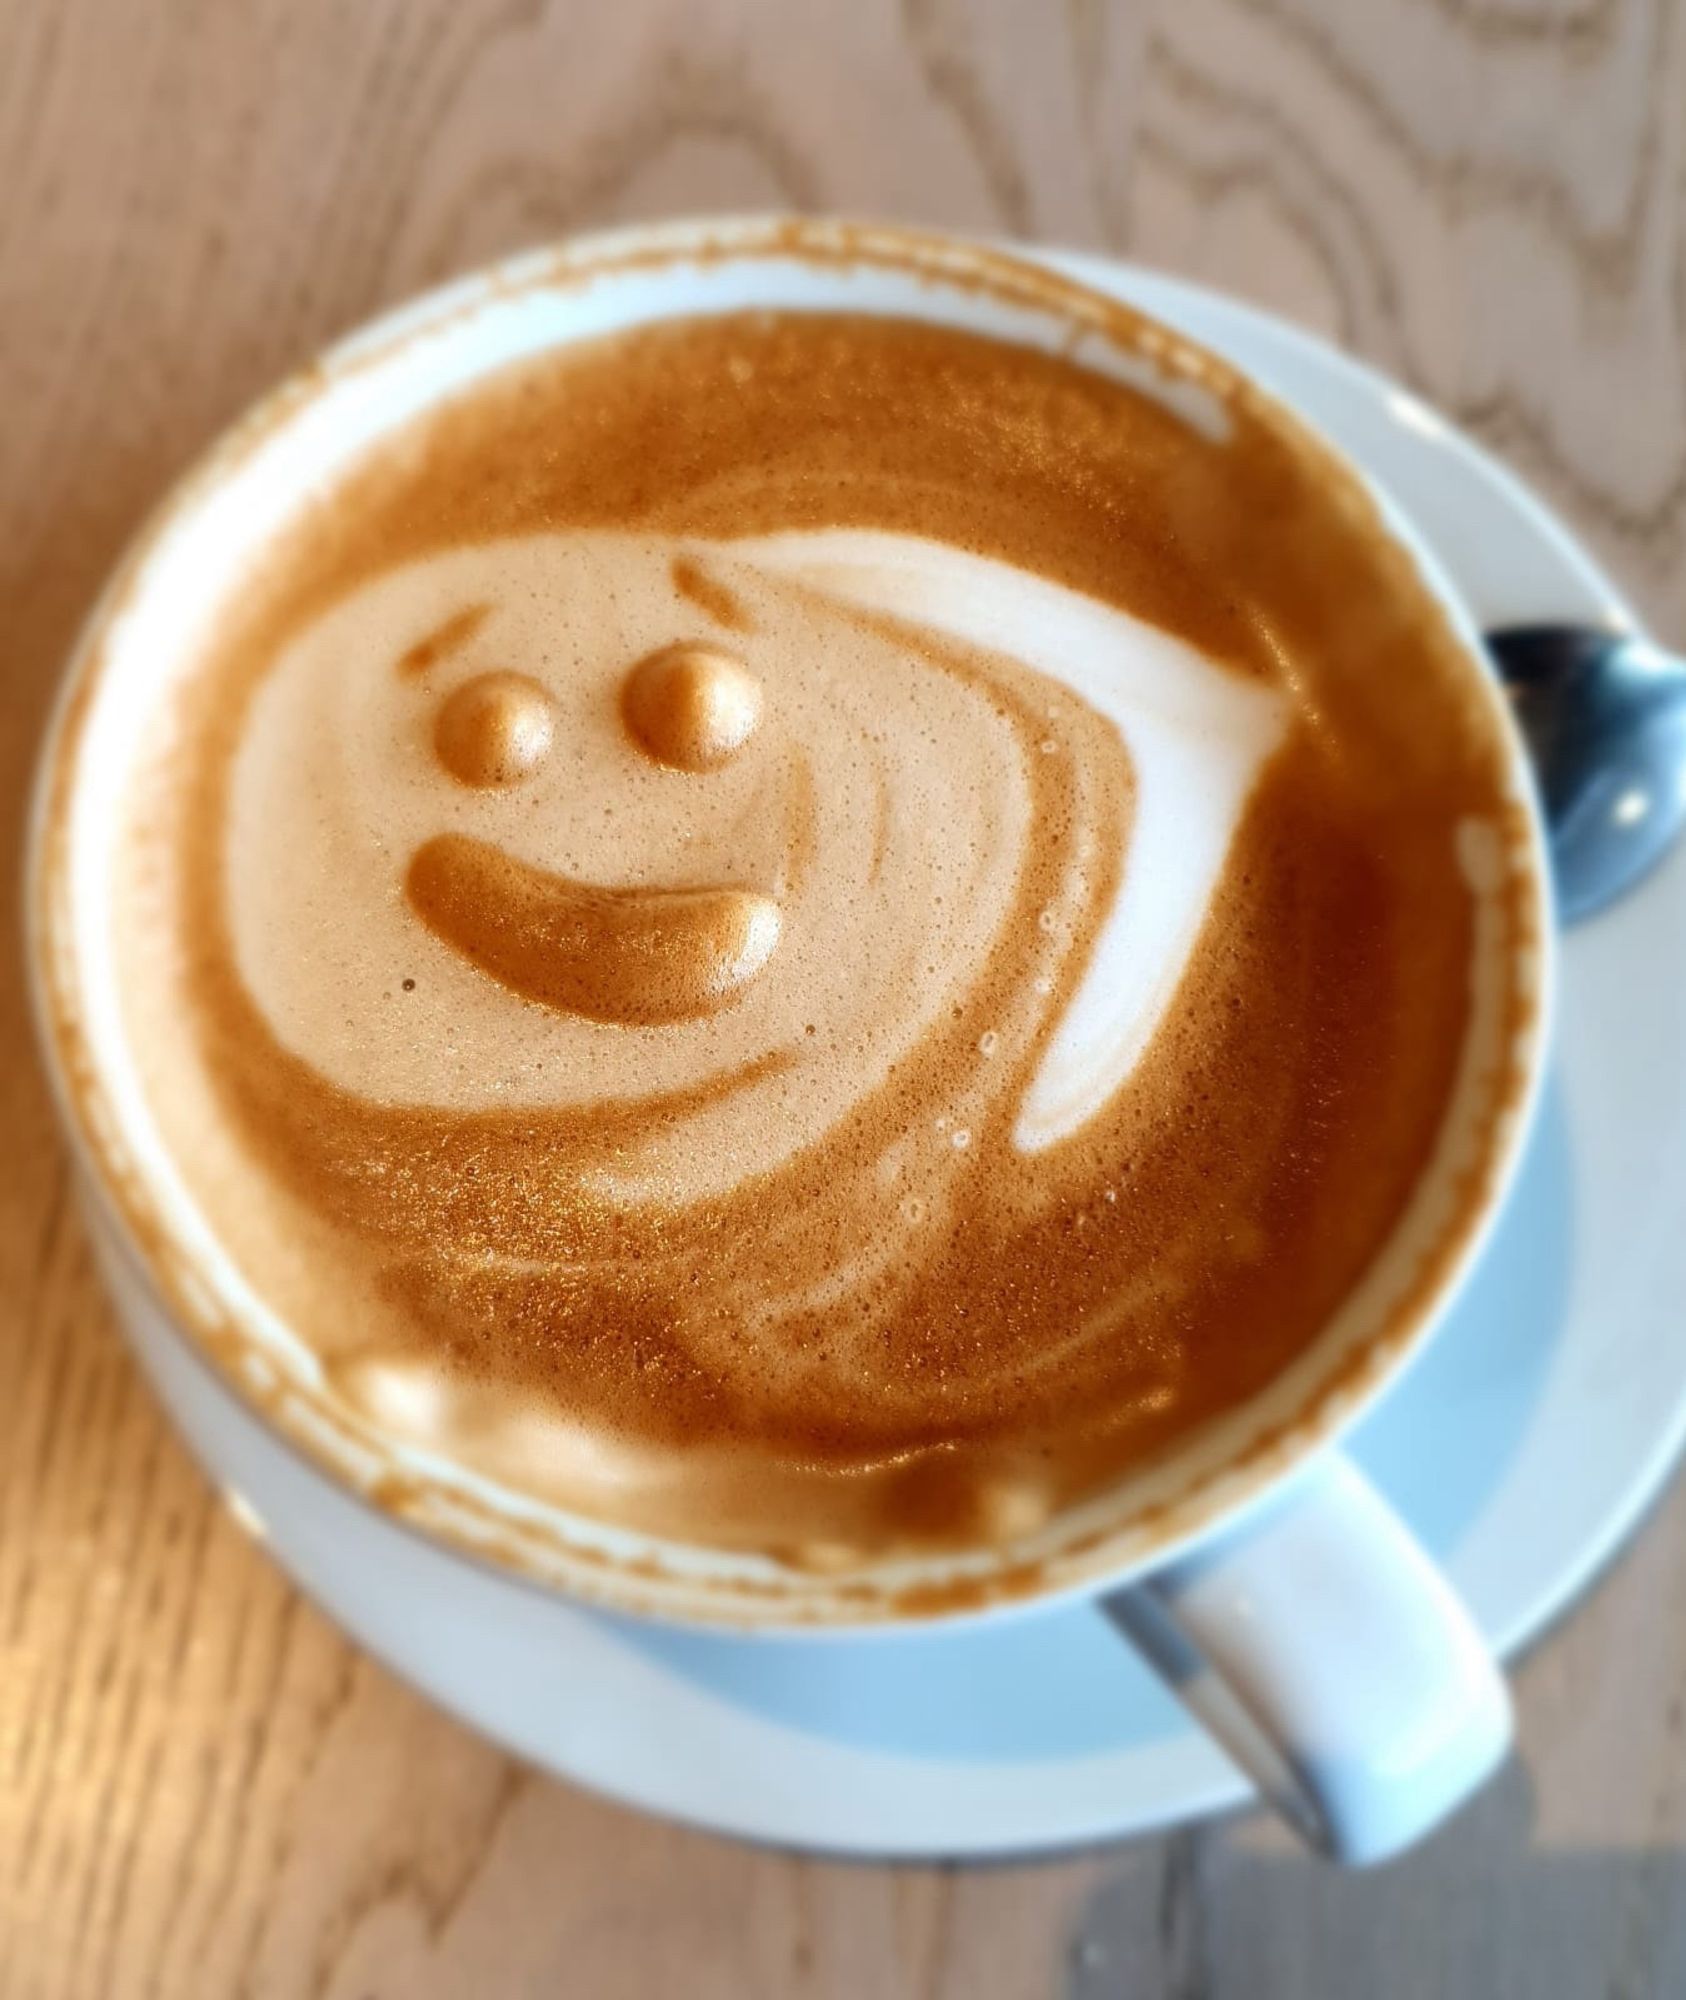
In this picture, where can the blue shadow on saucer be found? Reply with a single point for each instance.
(1437, 1446)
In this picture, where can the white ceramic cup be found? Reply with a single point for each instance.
(1257, 1570)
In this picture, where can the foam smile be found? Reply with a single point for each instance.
(639, 957)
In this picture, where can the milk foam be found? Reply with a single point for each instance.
(1197, 737)
(338, 784)
(838, 957)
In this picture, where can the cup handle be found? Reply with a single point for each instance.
(1332, 1661)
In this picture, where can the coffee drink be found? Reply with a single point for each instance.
(816, 933)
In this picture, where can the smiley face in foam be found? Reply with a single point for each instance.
(612, 954)
(596, 817)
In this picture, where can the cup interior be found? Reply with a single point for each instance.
(172, 588)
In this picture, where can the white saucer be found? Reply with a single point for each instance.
(1522, 1447)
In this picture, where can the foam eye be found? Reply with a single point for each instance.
(494, 729)
(691, 706)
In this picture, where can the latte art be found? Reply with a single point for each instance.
(842, 889)
(813, 983)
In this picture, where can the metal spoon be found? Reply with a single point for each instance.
(1604, 715)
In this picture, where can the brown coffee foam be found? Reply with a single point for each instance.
(1047, 1323)
(630, 956)
(494, 729)
(694, 580)
(444, 640)
(692, 707)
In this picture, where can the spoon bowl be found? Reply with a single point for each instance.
(1603, 712)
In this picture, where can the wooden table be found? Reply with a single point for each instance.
(204, 1790)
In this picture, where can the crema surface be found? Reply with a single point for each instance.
(813, 932)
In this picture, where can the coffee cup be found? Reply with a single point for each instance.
(1250, 1562)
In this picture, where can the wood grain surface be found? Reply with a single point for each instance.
(204, 1790)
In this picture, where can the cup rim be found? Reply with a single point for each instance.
(1104, 1555)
